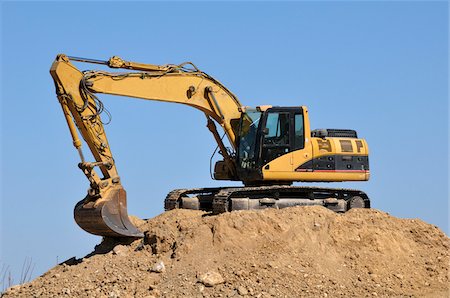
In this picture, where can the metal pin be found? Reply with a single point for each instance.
(80, 152)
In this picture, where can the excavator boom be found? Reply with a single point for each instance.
(103, 211)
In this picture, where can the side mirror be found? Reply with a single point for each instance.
(265, 131)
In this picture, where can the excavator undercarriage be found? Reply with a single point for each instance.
(224, 199)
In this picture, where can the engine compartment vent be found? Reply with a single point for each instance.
(334, 133)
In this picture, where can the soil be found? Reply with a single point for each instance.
(292, 252)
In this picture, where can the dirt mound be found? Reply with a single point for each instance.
(293, 252)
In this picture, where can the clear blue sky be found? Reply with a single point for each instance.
(379, 68)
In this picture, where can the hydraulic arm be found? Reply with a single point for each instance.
(103, 211)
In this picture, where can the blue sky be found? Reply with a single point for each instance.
(380, 68)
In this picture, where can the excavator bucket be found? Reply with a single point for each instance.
(106, 216)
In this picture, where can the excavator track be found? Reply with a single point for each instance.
(224, 199)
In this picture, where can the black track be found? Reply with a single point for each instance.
(219, 200)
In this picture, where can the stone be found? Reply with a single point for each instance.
(242, 290)
(158, 267)
(156, 293)
(211, 278)
(120, 250)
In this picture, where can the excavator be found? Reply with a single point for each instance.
(271, 146)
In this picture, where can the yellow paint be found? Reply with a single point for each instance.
(281, 169)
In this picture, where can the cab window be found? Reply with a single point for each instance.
(299, 136)
(277, 129)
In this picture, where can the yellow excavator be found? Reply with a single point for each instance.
(271, 146)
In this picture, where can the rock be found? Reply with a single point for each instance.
(140, 246)
(159, 243)
(250, 291)
(120, 250)
(211, 279)
(242, 290)
(158, 267)
(240, 273)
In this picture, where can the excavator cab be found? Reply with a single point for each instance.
(275, 145)
(267, 133)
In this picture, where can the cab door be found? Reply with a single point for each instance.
(282, 136)
(303, 149)
(276, 140)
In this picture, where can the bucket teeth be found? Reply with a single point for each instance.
(107, 216)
